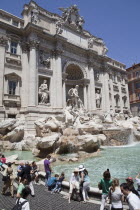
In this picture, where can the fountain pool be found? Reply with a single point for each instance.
(122, 161)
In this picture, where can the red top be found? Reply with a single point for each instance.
(3, 160)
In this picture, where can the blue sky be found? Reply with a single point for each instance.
(117, 22)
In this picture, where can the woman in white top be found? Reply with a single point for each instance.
(74, 182)
(116, 196)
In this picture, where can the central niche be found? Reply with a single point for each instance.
(74, 75)
(74, 72)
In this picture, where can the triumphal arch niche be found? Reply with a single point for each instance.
(74, 74)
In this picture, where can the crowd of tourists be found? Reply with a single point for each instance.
(113, 194)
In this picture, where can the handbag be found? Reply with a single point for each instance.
(5, 178)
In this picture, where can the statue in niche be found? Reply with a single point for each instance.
(97, 75)
(34, 16)
(75, 100)
(98, 98)
(44, 93)
(44, 60)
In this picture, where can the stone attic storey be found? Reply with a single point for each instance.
(44, 55)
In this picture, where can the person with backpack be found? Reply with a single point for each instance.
(8, 180)
(22, 185)
(23, 203)
(104, 185)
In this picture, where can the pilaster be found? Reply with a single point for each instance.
(92, 88)
(3, 44)
(33, 87)
(105, 92)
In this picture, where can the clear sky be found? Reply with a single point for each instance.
(117, 22)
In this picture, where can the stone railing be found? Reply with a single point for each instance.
(11, 98)
(14, 59)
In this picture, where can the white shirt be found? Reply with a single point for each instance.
(116, 197)
(26, 205)
(133, 201)
(74, 178)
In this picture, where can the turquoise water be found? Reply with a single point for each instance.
(22, 155)
(122, 162)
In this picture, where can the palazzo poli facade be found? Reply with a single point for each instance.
(43, 56)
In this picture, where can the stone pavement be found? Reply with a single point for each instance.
(44, 200)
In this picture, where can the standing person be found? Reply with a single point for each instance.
(133, 200)
(59, 183)
(20, 171)
(137, 179)
(47, 168)
(74, 182)
(27, 170)
(1, 166)
(23, 202)
(116, 196)
(85, 182)
(130, 184)
(3, 159)
(35, 170)
(22, 185)
(104, 185)
(8, 182)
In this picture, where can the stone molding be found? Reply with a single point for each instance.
(45, 71)
(77, 64)
(3, 41)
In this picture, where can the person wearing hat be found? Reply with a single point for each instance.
(85, 182)
(130, 184)
(74, 182)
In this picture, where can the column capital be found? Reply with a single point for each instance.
(57, 52)
(25, 46)
(33, 43)
(3, 41)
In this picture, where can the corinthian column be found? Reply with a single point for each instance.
(57, 78)
(33, 86)
(3, 43)
(25, 74)
(92, 88)
(105, 95)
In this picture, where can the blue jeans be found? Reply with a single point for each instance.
(48, 176)
(57, 187)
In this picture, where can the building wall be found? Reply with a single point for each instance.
(134, 88)
(37, 48)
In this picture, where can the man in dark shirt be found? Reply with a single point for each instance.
(27, 170)
(47, 168)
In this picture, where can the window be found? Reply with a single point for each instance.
(137, 85)
(12, 116)
(137, 74)
(15, 23)
(14, 47)
(12, 87)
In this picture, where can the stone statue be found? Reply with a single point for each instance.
(80, 22)
(90, 42)
(71, 16)
(44, 60)
(59, 27)
(44, 92)
(34, 16)
(75, 100)
(105, 50)
(96, 75)
(98, 98)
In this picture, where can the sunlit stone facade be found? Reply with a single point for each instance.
(43, 55)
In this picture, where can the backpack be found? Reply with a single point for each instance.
(18, 205)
